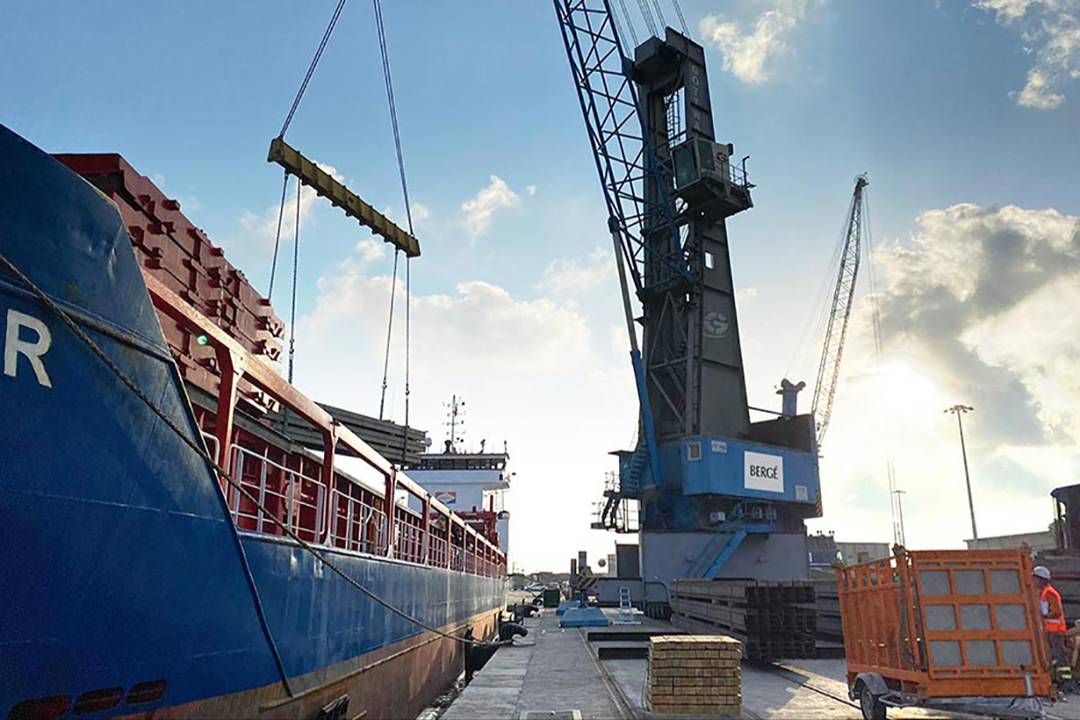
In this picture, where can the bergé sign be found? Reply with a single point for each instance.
(763, 472)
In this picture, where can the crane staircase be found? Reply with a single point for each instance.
(745, 518)
(614, 511)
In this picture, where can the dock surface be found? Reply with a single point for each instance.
(599, 673)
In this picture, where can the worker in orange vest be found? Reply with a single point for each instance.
(1053, 613)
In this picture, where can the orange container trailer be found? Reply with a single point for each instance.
(950, 629)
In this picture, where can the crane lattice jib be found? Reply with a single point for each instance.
(625, 160)
(828, 374)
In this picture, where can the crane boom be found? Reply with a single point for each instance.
(627, 166)
(828, 374)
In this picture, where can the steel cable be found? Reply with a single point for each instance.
(295, 264)
(311, 68)
(277, 235)
(384, 52)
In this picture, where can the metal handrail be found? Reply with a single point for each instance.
(363, 522)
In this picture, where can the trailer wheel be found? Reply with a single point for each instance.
(872, 708)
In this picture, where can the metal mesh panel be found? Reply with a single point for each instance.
(1004, 582)
(945, 653)
(934, 582)
(940, 617)
(981, 653)
(970, 582)
(1011, 617)
(975, 617)
(1016, 652)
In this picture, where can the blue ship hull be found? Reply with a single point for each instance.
(123, 571)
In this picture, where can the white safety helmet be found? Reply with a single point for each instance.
(1041, 572)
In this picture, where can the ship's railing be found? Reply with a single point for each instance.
(294, 494)
(409, 543)
(437, 551)
(358, 525)
(297, 499)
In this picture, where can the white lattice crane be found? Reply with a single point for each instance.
(828, 374)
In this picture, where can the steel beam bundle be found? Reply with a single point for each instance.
(385, 437)
(830, 629)
(180, 256)
(774, 620)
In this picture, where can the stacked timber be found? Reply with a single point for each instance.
(180, 256)
(694, 675)
(829, 639)
(774, 620)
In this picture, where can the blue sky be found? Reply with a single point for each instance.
(926, 96)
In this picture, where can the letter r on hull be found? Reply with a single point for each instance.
(32, 351)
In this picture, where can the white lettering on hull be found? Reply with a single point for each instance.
(32, 350)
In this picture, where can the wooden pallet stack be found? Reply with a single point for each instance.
(774, 620)
(694, 675)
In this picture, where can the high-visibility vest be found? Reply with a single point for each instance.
(1053, 624)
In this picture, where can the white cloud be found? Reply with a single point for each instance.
(265, 226)
(480, 209)
(533, 373)
(530, 190)
(1050, 30)
(975, 308)
(371, 250)
(420, 212)
(568, 276)
(749, 50)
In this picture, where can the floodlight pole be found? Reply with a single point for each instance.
(959, 410)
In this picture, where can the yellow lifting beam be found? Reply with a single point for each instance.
(326, 186)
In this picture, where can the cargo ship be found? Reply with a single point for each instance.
(170, 551)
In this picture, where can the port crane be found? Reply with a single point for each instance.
(706, 478)
(843, 296)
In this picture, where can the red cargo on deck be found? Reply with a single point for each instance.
(944, 624)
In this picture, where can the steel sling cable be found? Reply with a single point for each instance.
(389, 330)
(311, 68)
(295, 263)
(277, 235)
(391, 102)
(203, 454)
(388, 82)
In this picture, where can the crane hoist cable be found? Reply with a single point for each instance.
(391, 102)
(646, 12)
(629, 23)
(311, 68)
(389, 330)
(288, 119)
(682, 18)
(277, 235)
(296, 262)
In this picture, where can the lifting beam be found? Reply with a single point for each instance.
(326, 186)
